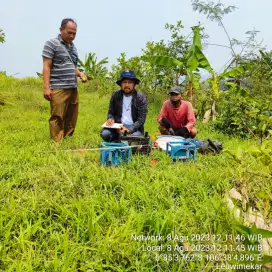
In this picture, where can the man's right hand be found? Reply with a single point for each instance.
(47, 94)
(110, 122)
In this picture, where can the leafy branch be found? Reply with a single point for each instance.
(215, 12)
(2, 36)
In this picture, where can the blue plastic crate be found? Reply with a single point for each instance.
(181, 150)
(114, 154)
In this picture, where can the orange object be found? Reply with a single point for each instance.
(154, 162)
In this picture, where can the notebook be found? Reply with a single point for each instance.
(115, 125)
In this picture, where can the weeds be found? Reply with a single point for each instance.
(63, 212)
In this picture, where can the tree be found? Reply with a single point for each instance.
(156, 78)
(240, 50)
(245, 107)
(153, 80)
(192, 61)
(2, 36)
(215, 12)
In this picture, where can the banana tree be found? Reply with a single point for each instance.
(194, 60)
(236, 73)
(91, 67)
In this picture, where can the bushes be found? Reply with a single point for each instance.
(102, 86)
(242, 115)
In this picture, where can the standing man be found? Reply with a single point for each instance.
(60, 74)
(127, 106)
(177, 116)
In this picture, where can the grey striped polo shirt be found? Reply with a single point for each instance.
(63, 69)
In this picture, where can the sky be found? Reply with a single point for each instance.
(109, 28)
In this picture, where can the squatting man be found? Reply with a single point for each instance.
(129, 107)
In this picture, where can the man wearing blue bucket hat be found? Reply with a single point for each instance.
(127, 106)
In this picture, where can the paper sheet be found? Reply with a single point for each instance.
(115, 125)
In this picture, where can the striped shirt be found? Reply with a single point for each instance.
(63, 69)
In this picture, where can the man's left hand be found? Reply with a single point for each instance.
(122, 130)
(184, 132)
(127, 130)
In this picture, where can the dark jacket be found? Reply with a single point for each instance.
(138, 109)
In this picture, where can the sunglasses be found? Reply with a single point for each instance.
(174, 94)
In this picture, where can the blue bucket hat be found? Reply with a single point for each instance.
(127, 74)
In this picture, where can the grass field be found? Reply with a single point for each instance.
(61, 211)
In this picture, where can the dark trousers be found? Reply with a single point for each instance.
(111, 135)
(167, 124)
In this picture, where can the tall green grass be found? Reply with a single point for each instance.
(62, 211)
